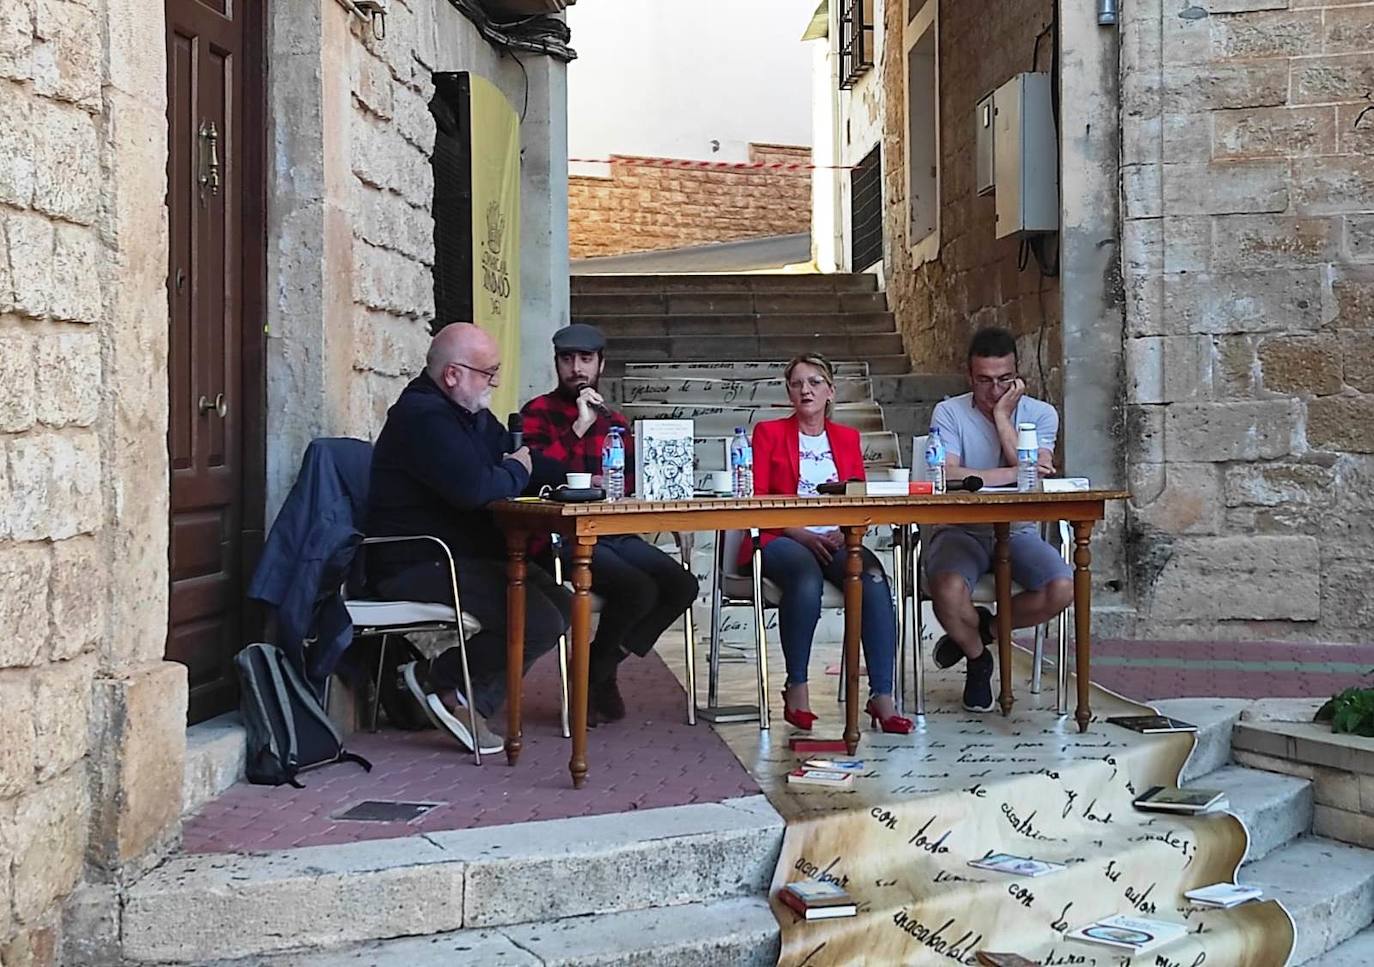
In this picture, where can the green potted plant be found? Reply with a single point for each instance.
(1351, 711)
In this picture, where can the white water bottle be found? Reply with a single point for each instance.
(613, 465)
(1027, 458)
(741, 464)
(935, 462)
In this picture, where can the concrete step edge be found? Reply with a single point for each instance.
(1327, 887)
(1358, 951)
(738, 931)
(216, 751)
(1215, 719)
(1275, 809)
(197, 908)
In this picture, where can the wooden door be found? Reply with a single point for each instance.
(213, 366)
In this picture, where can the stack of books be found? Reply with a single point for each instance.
(818, 899)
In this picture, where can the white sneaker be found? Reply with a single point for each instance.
(490, 742)
(419, 694)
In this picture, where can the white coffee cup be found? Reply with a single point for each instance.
(720, 482)
(899, 474)
(579, 481)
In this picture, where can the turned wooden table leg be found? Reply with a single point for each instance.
(853, 622)
(1002, 572)
(581, 654)
(1082, 608)
(516, 542)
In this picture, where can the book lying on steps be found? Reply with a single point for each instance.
(818, 900)
(1152, 724)
(990, 959)
(801, 743)
(1223, 895)
(1137, 934)
(1171, 799)
(820, 777)
(836, 765)
(1016, 865)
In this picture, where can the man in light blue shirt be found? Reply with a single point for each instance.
(979, 431)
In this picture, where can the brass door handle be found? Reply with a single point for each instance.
(219, 407)
(209, 157)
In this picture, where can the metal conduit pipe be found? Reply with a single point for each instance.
(1106, 12)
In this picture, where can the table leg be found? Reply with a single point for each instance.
(516, 542)
(1002, 571)
(1082, 612)
(853, 621)
(581, 653)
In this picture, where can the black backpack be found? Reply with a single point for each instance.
(287, 729)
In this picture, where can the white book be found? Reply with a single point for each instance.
(1016, 865)
(836, 765)
(1224, 895)
(1137, 934)
(664, 460)
(820, 777)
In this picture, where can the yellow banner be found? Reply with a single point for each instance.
(496, 232)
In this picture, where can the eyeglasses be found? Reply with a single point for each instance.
(983, 382)
(815, 382)
(492, 374)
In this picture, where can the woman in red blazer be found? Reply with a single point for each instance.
(793, 456)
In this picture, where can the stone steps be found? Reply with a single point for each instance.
(731, 369)
(1327, 887)
(673, 304)
(717, 392)
(196, 909)
(1275, 809)
(1358, 951)
(738, 931)
(733, 282)
(740, 324)
(880, 350)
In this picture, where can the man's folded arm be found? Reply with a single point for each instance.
(456, 466)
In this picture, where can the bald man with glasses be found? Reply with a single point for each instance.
(441, 458)
(979, 431)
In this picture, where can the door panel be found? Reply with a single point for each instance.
(211, 103)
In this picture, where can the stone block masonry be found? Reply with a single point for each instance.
(1247, 188)
(643, 206)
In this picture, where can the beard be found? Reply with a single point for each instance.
(568, 389)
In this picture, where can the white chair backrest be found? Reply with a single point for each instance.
(918, 458)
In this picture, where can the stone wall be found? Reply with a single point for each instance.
(974, 280)
(350, 241)
(92, 729)
(1248, 251)
(643, 206)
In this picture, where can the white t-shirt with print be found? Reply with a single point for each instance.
(817, 464)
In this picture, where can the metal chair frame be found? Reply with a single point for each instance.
(684, 543)
(385, 632)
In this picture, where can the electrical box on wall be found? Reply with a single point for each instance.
(1025, 157)
(983, 145)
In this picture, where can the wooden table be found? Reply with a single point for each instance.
(582, 524)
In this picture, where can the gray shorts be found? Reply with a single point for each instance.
(1034, 562)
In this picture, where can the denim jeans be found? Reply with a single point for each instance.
(798, 574)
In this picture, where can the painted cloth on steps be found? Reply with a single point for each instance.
(966, 785)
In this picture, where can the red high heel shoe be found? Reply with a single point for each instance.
(898, 724)
(800, 718)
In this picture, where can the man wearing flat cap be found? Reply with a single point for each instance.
(644, 589)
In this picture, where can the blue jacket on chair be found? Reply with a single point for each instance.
(310, 551)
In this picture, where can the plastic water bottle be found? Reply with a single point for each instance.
(1027, 458)
(935, 461)
(613, 465)
(741, 464)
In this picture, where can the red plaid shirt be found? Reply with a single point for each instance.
(549, 430)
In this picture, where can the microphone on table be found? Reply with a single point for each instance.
(516, 424)
(968, 484)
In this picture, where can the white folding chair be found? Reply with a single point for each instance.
(383, 618)
(731, 589)
(684, 542)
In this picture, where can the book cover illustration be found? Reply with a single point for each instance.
(665, 456)
(1136, 934)
(1016, 865)
(1152, 724)
(1173, 799)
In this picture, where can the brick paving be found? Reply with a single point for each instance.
(652, 758)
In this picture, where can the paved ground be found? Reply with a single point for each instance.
(654, 759)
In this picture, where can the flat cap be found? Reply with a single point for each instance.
(579, 338)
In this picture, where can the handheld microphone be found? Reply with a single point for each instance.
(516, 424)
(603, 409)
(968, 484)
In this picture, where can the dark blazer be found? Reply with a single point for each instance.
(309, 553)
(777, 462)
(435, 468)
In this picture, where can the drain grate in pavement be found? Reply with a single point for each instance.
(386, 811)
